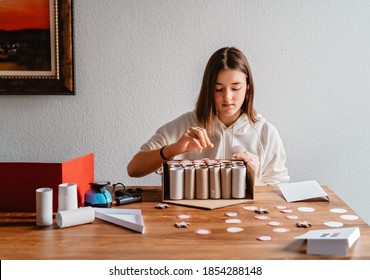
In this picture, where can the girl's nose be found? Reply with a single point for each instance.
(227, 94)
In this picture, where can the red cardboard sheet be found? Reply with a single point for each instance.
(19, 181)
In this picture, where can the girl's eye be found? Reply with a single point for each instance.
(218, 89)
(237, 89)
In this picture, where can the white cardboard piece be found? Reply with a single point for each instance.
(299, 191)
(128, 218)
(335, 242)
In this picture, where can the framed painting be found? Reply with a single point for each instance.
(36, 47)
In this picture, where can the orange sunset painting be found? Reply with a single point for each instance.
(25, 34)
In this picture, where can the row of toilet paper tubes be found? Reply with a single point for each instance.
(208, 181)
(68, 212)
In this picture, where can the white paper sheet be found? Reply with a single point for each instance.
(299, 191)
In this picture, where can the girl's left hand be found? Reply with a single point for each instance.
(251, 159)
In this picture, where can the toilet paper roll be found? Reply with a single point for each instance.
(214, 182)
(239, 181)
(201, 182)
(67, 196)
(189, 192)
(176, 183)
(79, 216)
(44, 206)
(226, 181)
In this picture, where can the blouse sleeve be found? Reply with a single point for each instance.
(273, 166)
(171, 131)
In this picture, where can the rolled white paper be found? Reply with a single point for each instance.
(44, 206)
(67, 196)
(79, 216)
(239, 181)
(176, 183)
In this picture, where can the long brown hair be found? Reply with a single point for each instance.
(224, 58)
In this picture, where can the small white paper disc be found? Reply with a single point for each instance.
(236, 149)
(231, 214)
(264, 238)
(183, 216)
(202, 231)
(333, 224)
(233, 221)
(274, 223)
(292, 217)
(234, 229)
(338, 210)
(262, 217)
(281, 230)
(349, 217)
(251, 208)
(281, 207)
(306, 209)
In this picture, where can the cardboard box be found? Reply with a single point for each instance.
(19, 181)
(332, 242)
(206, 203)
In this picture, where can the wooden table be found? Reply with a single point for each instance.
(20, 238)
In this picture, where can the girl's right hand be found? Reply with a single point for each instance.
(195, 138)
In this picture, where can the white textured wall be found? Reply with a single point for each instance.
(139, 64)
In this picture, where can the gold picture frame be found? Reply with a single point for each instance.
(22, 51)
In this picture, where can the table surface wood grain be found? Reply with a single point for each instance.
(20, 238)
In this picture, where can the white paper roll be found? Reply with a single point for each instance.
(239, 181)
(67, 196)
(79, 216)
(176, 183)
(44, 206)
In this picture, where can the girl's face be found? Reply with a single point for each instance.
(230, 90)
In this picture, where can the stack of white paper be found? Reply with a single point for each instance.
(334, 242)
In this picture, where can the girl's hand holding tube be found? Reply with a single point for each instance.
(252, 160)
